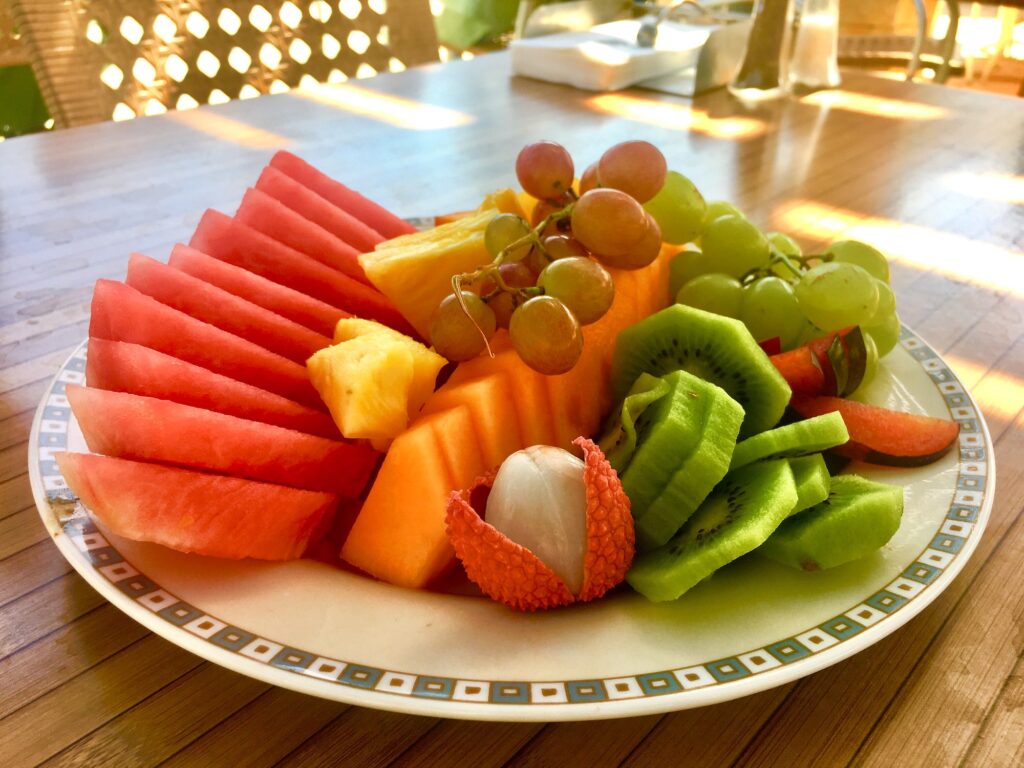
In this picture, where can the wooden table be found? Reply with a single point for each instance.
(932, 175)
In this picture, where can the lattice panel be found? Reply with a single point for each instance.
(143, 58)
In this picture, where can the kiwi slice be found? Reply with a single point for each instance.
(858, 517)
(736, 518)
(696, 474)
(619, 439)
(666, 430)
(797, 439)
(812, 481)
(712, 347)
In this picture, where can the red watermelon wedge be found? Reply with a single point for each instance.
(337, 193)
(147, 429)
(196, 512)
(226, 311)
(121, 313)
(280, 299)
(232, 241)
(309, 204)
(123, 367)
(274, 219)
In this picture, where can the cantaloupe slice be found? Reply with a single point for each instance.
(400, 535)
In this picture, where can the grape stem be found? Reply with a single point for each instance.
(457, 290)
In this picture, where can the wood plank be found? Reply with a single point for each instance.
(35, 615)
(241, 739)
(1000, 742)
(15, 429)
(30, 569)
(158, 726)
(361, 738)
(87, 702)
(22, 529)
(473, 745)
(600, 742)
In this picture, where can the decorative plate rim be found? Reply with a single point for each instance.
(786, 660)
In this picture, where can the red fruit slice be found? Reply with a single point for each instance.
(802, 370)
(147, 429)
(196, 512)
(511, 574)
(881, 436)
(226, 311)
(772, 346)
(274, 219)
(232, 241)
(365, 210)
(312, 206)
(138, 370)
(280, 299)
(121, 313)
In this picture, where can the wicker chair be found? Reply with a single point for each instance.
(102, 59)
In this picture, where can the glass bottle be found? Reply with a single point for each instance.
(762, 75)
(814, 64)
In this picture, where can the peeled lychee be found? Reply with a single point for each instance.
(592, 524)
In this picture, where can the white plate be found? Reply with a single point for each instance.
(312, 628)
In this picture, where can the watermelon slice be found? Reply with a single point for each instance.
(147, 429)
(274, 219)
(195, 512)
(121, 313)
(347, 199)
(232, 241)
(123, 367)
(286, 302)
(217, 307)
(309, 204)
(881, 436)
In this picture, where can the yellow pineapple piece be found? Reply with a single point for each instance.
(426, 363)
(505, 200)
(415, 271)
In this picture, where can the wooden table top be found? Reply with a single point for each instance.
(934, 176)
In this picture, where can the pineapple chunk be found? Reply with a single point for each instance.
(415, 271)
(374, 380)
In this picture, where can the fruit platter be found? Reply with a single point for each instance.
(595, 447)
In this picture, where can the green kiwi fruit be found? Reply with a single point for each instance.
(736, 518)
(667, 430)
(712, 347)
(857, 518)
(696, 474)
(619, 440)
(812, 481)
(797, 439)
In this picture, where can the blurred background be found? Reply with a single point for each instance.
(70, 62)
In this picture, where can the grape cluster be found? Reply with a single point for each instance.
(549, 276)
(764, 280)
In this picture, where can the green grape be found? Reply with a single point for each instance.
(885, 333)
(863, 255)
(583, 285)
(503, 230)
(686, 265)
(503, 304)
(886, 302)
(870, 362)
(834, 295)
(588, 180)
(562, 247)
(736, 245)
(783, 243)
(608, 222)
(718, 293)
(808, 332)
(457, 335)
(770, 310)
(636, 167)
(718, 208)
(641, 254)
(545, 170)
(679, 209)
(546, 335)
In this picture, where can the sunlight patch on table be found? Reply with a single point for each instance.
(954, 256)
(1001, 393)
(228, 129)
(677, 117)
(403, 113)
(877, 106)
(1002, 187)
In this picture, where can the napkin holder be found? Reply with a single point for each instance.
(686, 58)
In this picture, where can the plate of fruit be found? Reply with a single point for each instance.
(596, 448)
